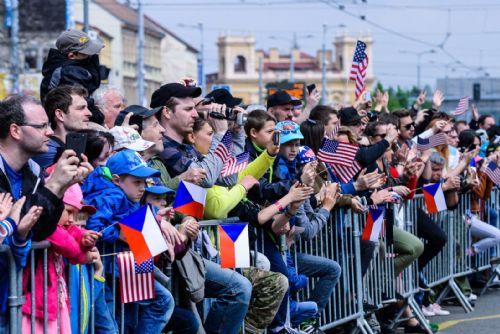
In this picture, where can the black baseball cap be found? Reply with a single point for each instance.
(349, 116)
(137, 110)
(223, 96)
(165, 92)
(281, 98)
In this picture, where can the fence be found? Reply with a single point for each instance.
(338, 240)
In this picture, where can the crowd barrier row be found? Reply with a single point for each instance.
(339, 240)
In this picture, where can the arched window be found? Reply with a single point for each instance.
(240, 64)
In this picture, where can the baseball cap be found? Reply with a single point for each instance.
(77, 41)
(289, 131)
(223, 96)
(306, 154)
(155, 186)
(281, 98)
(349, 116)
(137, 110)
(130, 162)
(129, 138)
(73, 196)
(165, 92)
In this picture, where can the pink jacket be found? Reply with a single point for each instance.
(66, 242)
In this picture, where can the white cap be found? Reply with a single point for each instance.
(126, 137)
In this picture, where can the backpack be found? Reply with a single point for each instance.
(192, 269)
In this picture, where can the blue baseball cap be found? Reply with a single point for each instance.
(155, 186)
(289, 131)
(306, 154)
(131, 163)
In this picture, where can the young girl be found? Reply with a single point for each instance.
(71, 242)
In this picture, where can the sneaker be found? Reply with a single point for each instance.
(418, 329)
(436, 308)
(428, 311)
(472, 297)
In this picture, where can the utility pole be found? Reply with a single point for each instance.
(14, 49)
(86, 16)
(261, 83)
(323, 67)
(292, 60)
(201, 70)
(140, 54)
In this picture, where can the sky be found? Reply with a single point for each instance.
(463, 34)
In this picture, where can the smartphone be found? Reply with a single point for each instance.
(368, 96)
(310, 88)
(276, 138)
(77, 142)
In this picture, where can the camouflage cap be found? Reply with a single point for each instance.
(78, 41)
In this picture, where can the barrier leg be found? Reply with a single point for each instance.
(494, 274)
(418, 314)
(460, 296)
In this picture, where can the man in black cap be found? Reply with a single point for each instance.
(281, 106)
(177, 118)
(349, 117)
(223, 96)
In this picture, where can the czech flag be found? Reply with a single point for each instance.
(190, 199)
(434, 198)
(143, 234)
(374, 223)
(234, 246)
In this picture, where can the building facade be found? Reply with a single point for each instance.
(238, 67)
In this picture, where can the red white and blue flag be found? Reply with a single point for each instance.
(225, 147)
(374, 223)
(136, 280)
(234, 245)
(493, 172)
(434, 197)
(334, 131)
(236, 164)
(190, 199)
(463, 105)
(346, 173)
(358, 68)
(334, 152)
(433, 141)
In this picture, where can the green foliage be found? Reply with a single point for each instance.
(400, 98)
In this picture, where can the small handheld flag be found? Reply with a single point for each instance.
(143, 234)
(136, 280)
(236, 164)
(225, 147)
(190, 199)
(358, 67)
(374, 222)
(346, 173)
(234, 246)
(424, 144)
(434, 198)
(493, 172)
(335, 152)
(463, 105)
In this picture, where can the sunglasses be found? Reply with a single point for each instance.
(382, 135)
(409, 126)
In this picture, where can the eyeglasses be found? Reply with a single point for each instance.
(43, 126)
(409, 126)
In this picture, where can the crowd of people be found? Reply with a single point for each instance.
(136, 155)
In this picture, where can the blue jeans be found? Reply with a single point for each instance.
(328, 272)
(4, 323)
(302, 311)
(182, 322)
(145, 316)
(232, 293)
(104, 322)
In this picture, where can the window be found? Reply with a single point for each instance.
(240, 64)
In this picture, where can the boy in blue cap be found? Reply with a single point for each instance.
(116, 190)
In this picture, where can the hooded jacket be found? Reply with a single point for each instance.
(59, 70)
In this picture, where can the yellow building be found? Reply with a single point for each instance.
(239, 68)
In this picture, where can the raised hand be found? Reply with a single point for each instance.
(194, 175)
(5, 205)
(437, 99)
(421, 98)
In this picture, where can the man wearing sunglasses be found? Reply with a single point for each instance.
(406, 127)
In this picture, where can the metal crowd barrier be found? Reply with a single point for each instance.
(339, 240)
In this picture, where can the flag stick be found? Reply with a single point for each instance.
(109, 254)
(108, 227)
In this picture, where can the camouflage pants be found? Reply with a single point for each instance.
(268, 290)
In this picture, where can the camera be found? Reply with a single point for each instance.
(230, 115)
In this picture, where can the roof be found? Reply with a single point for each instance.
(167, 31)
(129, 16)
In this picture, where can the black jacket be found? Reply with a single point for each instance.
(369, 154)
(59, 70)
(33, 188)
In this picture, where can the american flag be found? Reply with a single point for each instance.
(236, 164)
(136, 280)
(225, 147)
(334, 152)
(346, 173)
(358, 68)
(433, 141)
(493, 172)
(462, 106)
(335, 130)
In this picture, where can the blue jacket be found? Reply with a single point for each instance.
(112, 206)
(20, 251)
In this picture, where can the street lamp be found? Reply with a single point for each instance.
(419, 56)
(294, 45)
(201, 72)
(323, 60)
